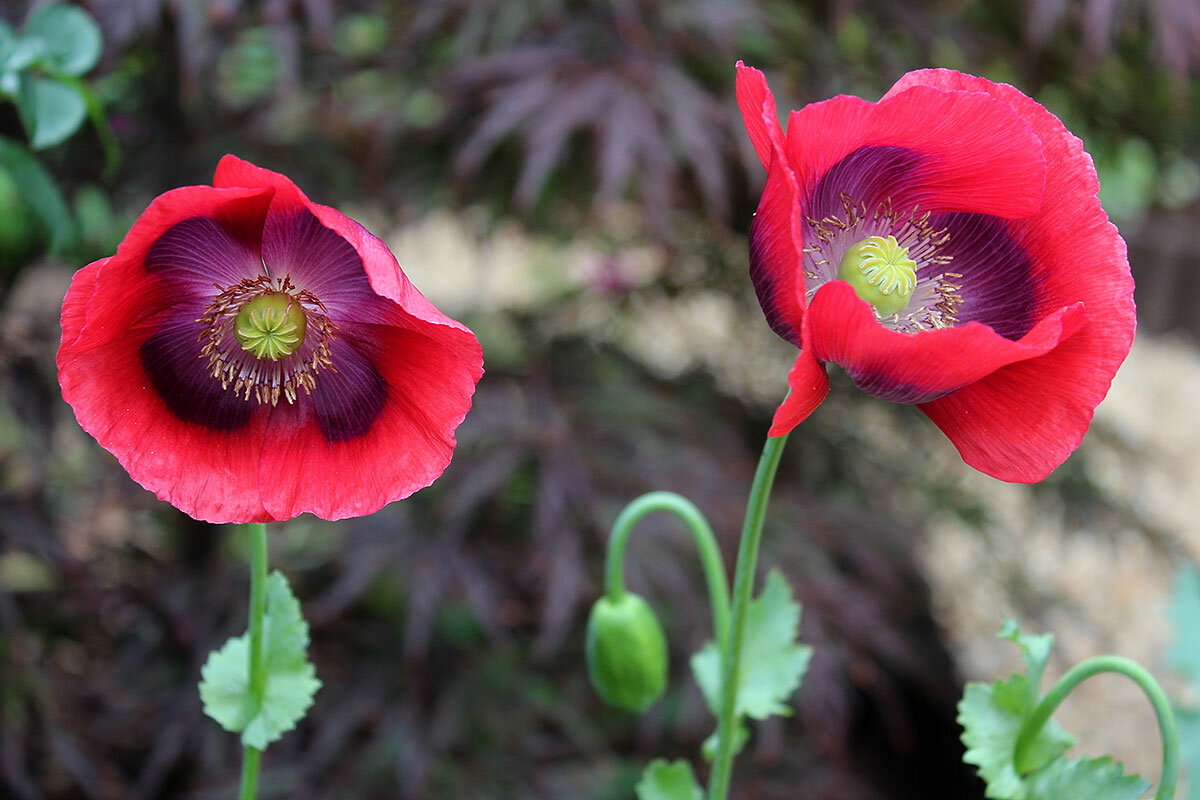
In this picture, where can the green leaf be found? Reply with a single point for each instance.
(772, 662)
(291, 680)
(669, 781)
(1188, 725)
(50, 110)
(991, 716)
(1184, 613)
(741, 735)
(39, 191)
(17, 53)
(1184, 656)
(1090, 778)
(71, 38)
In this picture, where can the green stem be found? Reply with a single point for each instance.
(1169, 776)
(706, 544)
(258, 671)
(743, 586)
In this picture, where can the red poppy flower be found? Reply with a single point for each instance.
(249, 355)
(945, 247)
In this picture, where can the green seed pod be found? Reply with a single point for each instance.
(626, 652)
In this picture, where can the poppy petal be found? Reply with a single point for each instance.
(126, 292)
(996, 281)
(808, 386)
(197, 253)
(759, 114)
(919, 367)
(1022, 421)
(1077, 256)
(428, 373)
(319, 260)
(174, 364)
(115, 401)
(234, 172)
(775, 254)
(975, 153)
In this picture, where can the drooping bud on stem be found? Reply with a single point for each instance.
(626, 652)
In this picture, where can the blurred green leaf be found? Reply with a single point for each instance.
(249, 68)
(772, 662)
(1184, 656)
(1189, 748)
(39, 191)
(1090, 778)
(669, 781)
(291, 680)
(1184, 613)
(992, 714)
(360, 36)
(1128, 180)
(50, 110)
(71, 38)
(17, 53)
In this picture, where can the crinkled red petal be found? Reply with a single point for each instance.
(210, 475)
(1021, 422)
(808, 386)
(234, 172)
(429, 373)
(125, 293)
(919, 367)
(975, 153)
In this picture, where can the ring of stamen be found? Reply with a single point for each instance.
(934, 301)
(264, 337)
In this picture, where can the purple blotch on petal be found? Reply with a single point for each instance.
(197, 253)
(320, 261)
(765, 287)
(998, 285)
(348, 402)
(869, 175)
(172, 360)
(879, 384)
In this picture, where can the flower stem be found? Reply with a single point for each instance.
(1169, 776)
(743, 586)
(706, 544)
(258, 671)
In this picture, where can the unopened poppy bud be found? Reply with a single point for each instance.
(626, 652)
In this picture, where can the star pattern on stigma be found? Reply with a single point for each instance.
(933, 300)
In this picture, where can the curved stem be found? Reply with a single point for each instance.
(258, 672)
(1169, 776)
(743, 585)
(706, 544)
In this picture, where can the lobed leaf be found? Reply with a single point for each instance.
(669, 781)
(992, 714)
(291, 680)
(773, 663)
(1184, 656)
(1091, 778)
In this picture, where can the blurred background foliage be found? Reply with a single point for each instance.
(571, 178)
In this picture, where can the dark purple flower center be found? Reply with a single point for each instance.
(269, 365)
(966, 266)
(208, 357)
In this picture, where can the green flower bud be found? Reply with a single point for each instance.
(626, 652)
